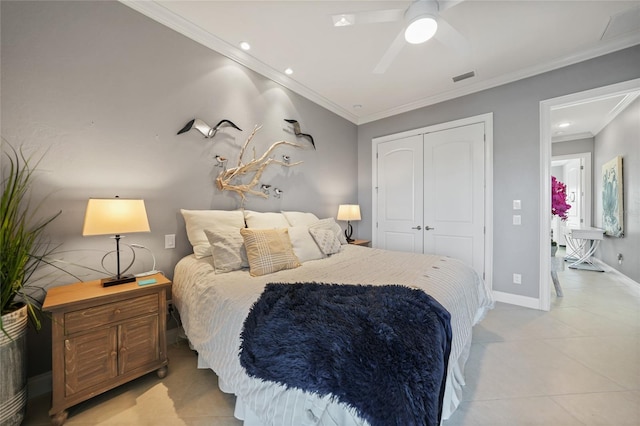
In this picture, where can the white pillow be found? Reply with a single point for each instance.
(198, 220)
(300, 218)
(330, 224)
(267, 220)
(227, 248)
(304, 245)
(326, 240)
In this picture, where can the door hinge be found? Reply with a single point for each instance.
(581, 167)
(483, 277)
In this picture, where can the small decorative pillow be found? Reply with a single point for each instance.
(300, 218)
(268, 250)
(330, 224)
(304, 245)
(227, 248)
(265, 220)
(197, 221)
(326, 240)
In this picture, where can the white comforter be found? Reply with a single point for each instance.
(213, 308)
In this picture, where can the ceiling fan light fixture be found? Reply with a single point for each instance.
(421, 30)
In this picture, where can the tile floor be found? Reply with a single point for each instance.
(578, 364)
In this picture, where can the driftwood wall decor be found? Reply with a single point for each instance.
(232, 179)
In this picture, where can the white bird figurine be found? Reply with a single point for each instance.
(221, 161)
(278, 192)
(265, 188)
(205, 129)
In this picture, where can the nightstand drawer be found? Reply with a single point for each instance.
(101, 315)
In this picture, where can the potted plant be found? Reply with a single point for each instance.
(559, 206)
(23, 250)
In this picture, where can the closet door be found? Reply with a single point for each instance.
(454, 194)
(400, 194)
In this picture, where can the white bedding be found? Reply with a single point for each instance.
(213, 308)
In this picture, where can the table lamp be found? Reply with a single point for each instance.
(349, 212)
(115, 216)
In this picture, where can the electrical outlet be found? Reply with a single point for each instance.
(517, 279)
(517, 219)
(517, 204)
(170, 241)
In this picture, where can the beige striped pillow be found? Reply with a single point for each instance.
(268, 250)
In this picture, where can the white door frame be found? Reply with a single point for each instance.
(487, 119)
(545, 171)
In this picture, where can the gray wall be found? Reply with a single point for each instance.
(621, 137)
(577, 146)
(516, 158)
(103, 90)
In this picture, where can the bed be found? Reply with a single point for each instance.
(214, 300)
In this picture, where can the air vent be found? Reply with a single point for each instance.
(622, 23)
(464, 76)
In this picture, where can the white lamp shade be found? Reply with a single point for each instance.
(349, 212)
(115, 216)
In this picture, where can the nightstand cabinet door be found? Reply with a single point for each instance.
(138, 344)
(90, 360)
(103, 337)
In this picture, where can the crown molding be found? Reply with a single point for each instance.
(169, 19)
(610, 47)
(164, 16)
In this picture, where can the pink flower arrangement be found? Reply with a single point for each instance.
(559, 204)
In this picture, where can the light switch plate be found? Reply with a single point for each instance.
(517, 205)
(517, 219)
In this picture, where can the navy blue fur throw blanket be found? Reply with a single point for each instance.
(382, 350)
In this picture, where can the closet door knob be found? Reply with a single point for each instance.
(417, 227)
(428, 228)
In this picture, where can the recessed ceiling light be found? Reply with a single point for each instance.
(288, 71)
(343, 20)
(245, 46)
(564, 124)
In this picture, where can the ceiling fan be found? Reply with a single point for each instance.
(422, 21)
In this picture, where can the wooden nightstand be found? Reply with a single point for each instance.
(364, 243)
(104, 337)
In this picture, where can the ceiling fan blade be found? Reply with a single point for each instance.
(367, 17)
(391, 53)
(452, 38)
(446, 4)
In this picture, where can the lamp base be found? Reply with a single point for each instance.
(348, 232)
(108, 282)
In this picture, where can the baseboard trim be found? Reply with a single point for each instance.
(514, 299)
(41, 384)
(627, 280)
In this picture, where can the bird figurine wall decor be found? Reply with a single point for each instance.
(205, 129)
(286, 158)
(297, 132)
(244, 178)
(220, 161)
(278, 192)
(265, 188)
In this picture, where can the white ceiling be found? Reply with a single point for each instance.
(508, 40)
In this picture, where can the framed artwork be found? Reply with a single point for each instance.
(612, 202)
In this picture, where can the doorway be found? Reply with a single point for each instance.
(574, 170)
(546, 108)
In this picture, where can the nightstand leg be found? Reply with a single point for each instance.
(162, 372)
(58, 419)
